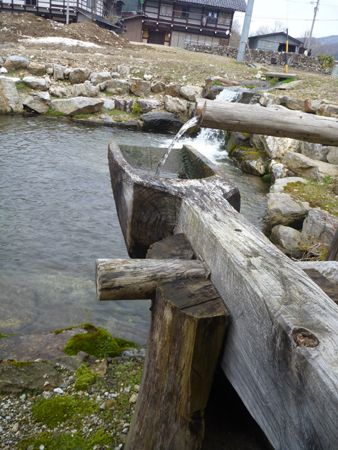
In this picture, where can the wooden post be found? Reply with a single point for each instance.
(271, 121)
(136, 279)
(188, 321)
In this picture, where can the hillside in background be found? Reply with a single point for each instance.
(325, 45)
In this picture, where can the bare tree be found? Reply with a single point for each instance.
(268, 29)
(235, 37)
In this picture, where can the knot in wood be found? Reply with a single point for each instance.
(304, 338)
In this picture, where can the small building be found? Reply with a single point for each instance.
(276, 42)
(180, 22)
(98, 11)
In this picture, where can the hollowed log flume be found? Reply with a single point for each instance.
(280, 350)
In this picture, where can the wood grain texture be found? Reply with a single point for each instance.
(271, 121)
(148, 215)
(173, 247)
(136, 279)
(188, 321)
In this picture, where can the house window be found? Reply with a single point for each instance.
(181, 12)
(224, 19)
(31, 2)
(166, 9)
(212, 17)
(89, 3)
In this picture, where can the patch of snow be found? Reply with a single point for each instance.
(58, 40)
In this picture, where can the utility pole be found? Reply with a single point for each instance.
(245, 31)
(287, 51)
(313, 22)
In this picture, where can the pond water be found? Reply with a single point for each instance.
(58, 216)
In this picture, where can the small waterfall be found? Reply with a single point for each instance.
(209, 142)
(189, 124)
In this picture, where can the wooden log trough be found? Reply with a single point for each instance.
(280, 350)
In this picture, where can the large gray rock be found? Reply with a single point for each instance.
(27, 377)
(140, 87)
(98, 78)
(280, 184)
(332, 156)
(40, 84)
(158, 87)
(59, 91)
(36, 69)
(250, 161)
(108, 104)
(287, 239)
(59, 72)
(306, 167)
(278, 170)
(147, 105)
(214, 91)
(16, 63)
(38, 102)
(77, 105)
(78, 75)
(191, 93)
(329, 269)
(275, 147)
(159, 121)
(269, 100)
(283, 210)
(328, 110)
(117, 87)
(124, 71)
(85, 89)
(314, 151)
(9, 98)
(319, 226)
(175, 105)
(174, 90)
(293, 103)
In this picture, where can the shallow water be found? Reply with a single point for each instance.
(58, 216)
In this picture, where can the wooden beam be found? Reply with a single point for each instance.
(271, 121)
(188, 321)
(136, 279)
(280, 352)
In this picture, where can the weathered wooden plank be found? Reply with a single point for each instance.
(135, 279)
(172, 247)
(182, 353)
(275, 309)
(270, 121)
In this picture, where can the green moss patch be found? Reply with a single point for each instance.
(96, 342)
(63, 409)
(84, 378)
(323, 195)
(55, 441)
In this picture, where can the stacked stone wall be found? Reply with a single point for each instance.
(308, 63)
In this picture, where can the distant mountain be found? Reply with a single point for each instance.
(325, 45)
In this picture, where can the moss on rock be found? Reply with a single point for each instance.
(96, 342)
(85, 377)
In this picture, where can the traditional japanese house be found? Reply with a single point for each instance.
(180, 22)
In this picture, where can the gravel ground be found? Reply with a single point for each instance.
(113, 398)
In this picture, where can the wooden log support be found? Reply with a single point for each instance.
(280, 352)
(270, 121)
(188, 321)
(136, 279)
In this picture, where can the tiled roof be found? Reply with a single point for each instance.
(278, 33)
(236, 5)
